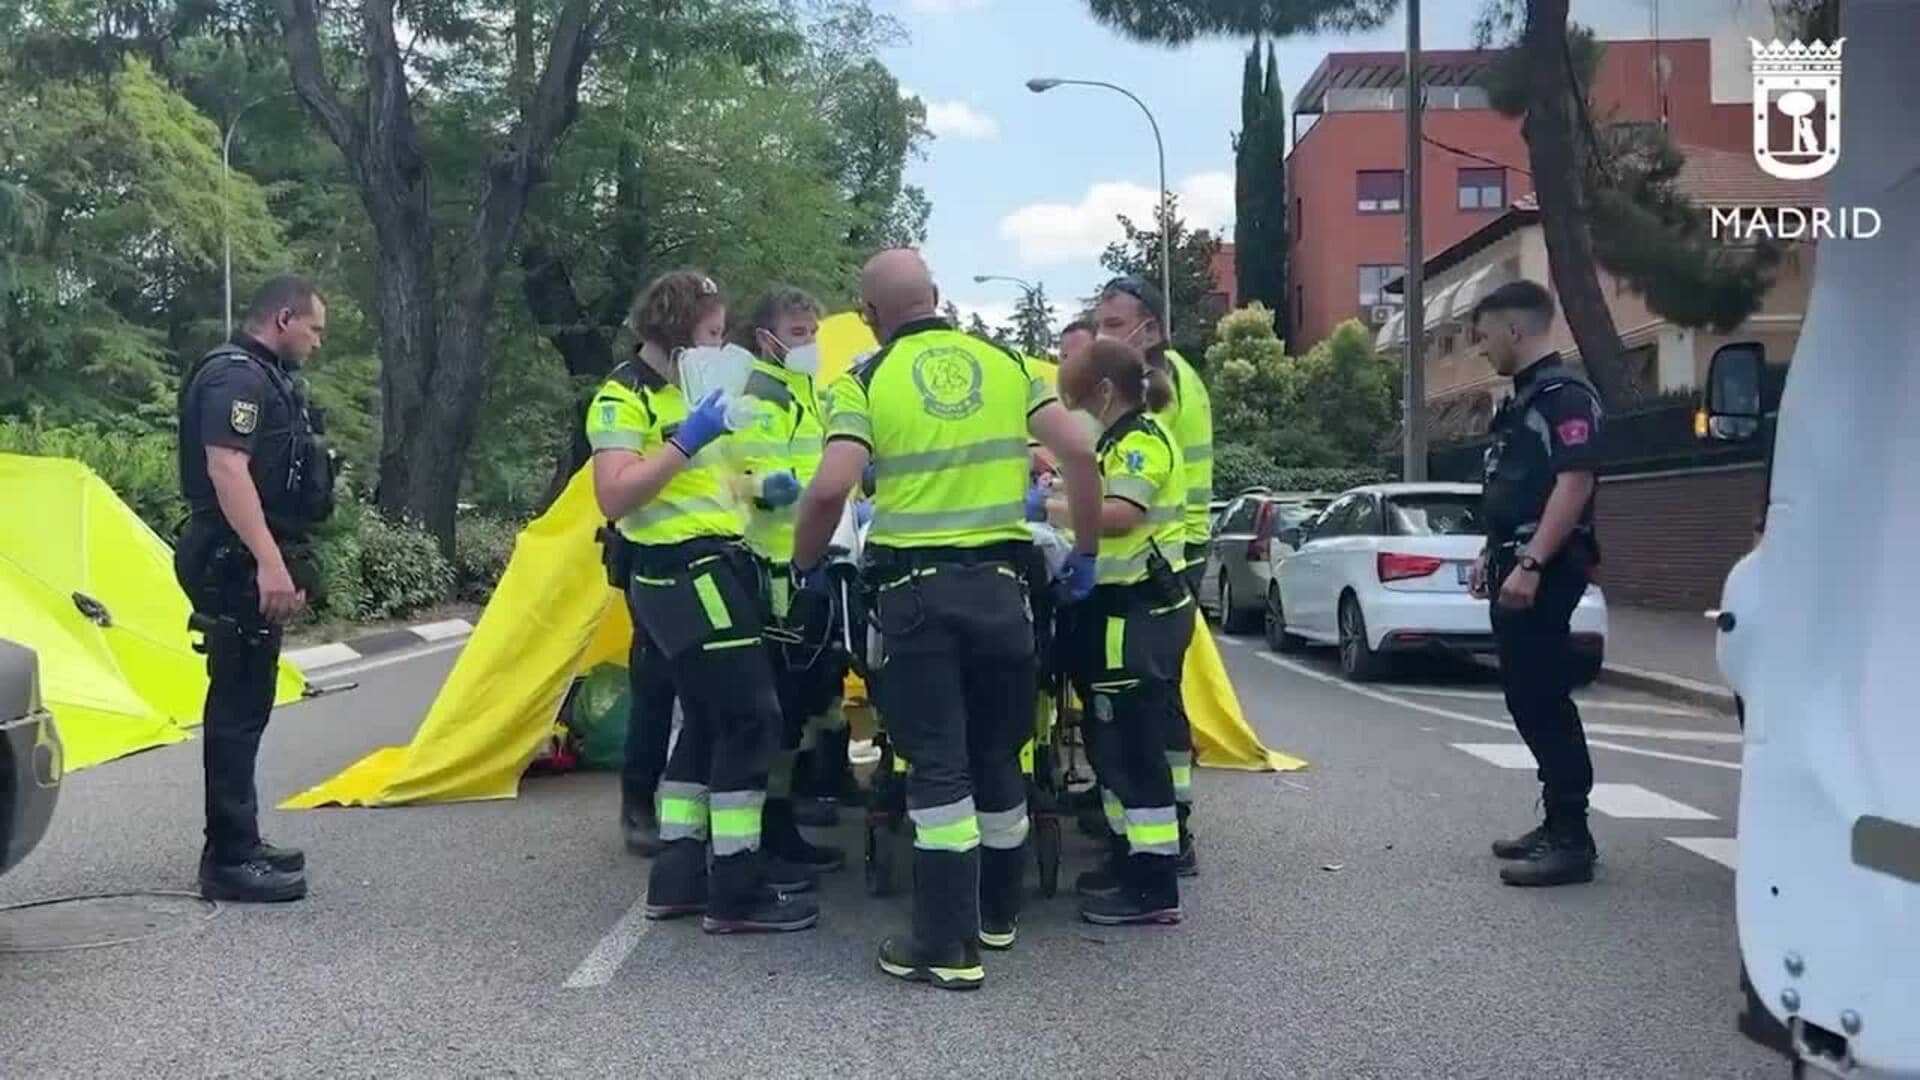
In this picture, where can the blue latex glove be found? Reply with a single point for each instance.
(810, 579)
(1037, 503)
(862, 512)
(707, 422)
(1075, 582)
(779, 489)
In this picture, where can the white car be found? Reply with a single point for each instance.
(1384, 571)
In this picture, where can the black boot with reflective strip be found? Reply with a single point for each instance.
(944, 947)
(954, 966)
(1002, 875)
(640, 829)
(1150, 895)
(744, 902)
(677, 881)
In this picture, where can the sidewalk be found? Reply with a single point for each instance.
(1665, 652)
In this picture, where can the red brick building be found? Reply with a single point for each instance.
(1346, 172)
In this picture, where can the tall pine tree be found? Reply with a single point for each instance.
(1260, 188)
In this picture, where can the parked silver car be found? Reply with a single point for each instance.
(1234, 585)
(30, 756)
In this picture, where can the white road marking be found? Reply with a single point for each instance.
(1637, 731)
(1634, 801)
(613, 949)
(315, 657)
(1724, 850)
(1478, 721)
(1225, 640)
(1502, 755)
(1585, 702)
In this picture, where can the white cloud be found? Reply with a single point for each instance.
(1049, 233)
(944, 7)
(959, 120)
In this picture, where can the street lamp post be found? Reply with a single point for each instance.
(1028, 290)
(1041, 86)
(226, 229)
(1413, 450)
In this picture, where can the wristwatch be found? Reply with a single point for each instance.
(1529, 564)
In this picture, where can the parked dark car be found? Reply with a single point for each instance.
(30, 756)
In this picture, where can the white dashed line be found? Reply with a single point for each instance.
(1724, 850)
(1634, 801)
(1479, 721)
(613, 949)
(1502, 755)
(1649, 708)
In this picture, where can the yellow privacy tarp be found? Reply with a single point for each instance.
(1222, 738)
(551, 618)
(842, 337)
(90, 588)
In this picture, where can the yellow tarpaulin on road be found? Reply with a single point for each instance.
(89, 587)
(553, 618)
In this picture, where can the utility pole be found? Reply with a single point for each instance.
(1413, 460)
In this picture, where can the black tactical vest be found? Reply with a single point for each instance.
(1517, 477)
(292, 467)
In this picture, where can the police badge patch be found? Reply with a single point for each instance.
(244, 416)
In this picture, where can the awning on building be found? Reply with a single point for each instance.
(1477, 285)
(1390, 332)
(1437, 307)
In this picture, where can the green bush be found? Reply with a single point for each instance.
(401, 567)
(1237, 467)
(481, 548)
(141, 467)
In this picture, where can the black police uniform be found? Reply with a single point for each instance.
(1551, 425)
(649, 733)
(240, 396)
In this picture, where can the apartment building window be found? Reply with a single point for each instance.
(1379, 191)
(1373, 279)
(1483, 189)
(1299, 307)
(1299, 219)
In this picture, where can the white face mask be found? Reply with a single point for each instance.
(1126, 338)
(804, 359)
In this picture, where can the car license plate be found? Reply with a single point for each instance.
(1463, 571)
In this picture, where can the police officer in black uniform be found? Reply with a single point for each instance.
(257, 478)
(1538, 492)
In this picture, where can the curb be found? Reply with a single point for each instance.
(318, 658)
(1671, 687)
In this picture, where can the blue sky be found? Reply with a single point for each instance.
(1027, 185)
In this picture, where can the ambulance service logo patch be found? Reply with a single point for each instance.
(244, 417)
(949, 381)
(1136, 461)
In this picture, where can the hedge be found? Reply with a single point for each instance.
(1237, 468)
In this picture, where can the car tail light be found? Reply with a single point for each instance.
(1257, 547)
(1394, 567)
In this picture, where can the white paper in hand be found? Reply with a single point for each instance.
(725, 368)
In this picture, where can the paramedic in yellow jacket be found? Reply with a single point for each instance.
(694, 589)
(1132, 310)
(779, 454)
(1128, 639)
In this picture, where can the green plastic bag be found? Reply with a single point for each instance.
(598, 717)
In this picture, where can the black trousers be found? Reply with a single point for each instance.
(957, 699)
(1127, 648)
(1536, 673)
(243, 665)
(702, 608)
(649, 721)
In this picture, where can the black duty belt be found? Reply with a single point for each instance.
(1016, 553)
(659, 560)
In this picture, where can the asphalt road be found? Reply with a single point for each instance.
(1348, 922)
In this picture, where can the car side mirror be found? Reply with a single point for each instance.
(1731, 409)
(1293, 536)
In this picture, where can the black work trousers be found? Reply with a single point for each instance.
(1128, 644)
(957, 699)
(243, 665)
(701, 604)
(1536, 673)
(649, 722)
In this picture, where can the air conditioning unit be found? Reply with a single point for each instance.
(1378, 314)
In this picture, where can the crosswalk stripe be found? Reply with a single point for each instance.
(1724, 850)
(1634, 801)
(1502, 755)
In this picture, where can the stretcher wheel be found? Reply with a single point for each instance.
(1046, 852)
(880, 860)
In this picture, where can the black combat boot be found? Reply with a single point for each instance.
(287, 860)
(1110, 876)
(1527, 845)
(250, 880)
(1149, 896)
(773, 913)
(954, 966)
(1566, 857)
(677, 882)
(1188, 864)
(745, 900)
(780, 838)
